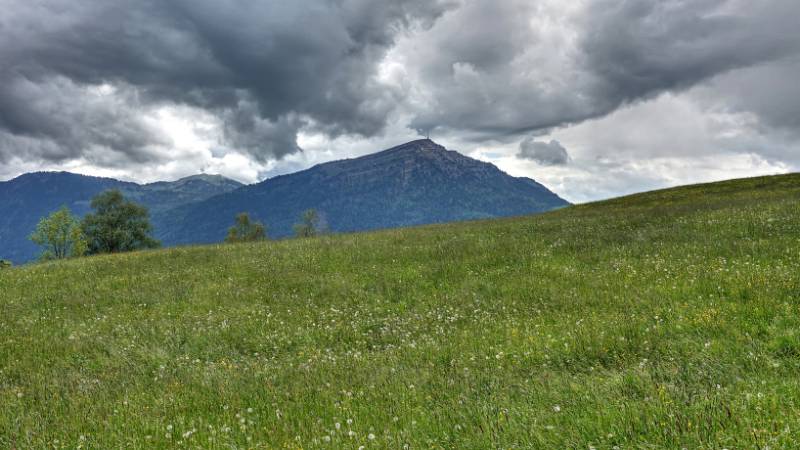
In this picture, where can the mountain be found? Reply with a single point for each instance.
(648, 321)
(416, 183)
(26, 199)
(166, 195)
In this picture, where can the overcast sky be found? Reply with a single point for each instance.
(595, 99)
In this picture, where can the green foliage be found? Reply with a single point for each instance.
(117, 225)
(310, 224)
(60, 236)
(665, 320)
(244, 230)
(5, 264)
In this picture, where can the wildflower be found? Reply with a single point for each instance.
(557, 408)
(371, 437)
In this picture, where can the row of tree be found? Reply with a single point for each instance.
(118, 225)
(245, 230)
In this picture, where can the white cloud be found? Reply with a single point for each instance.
(641, 94)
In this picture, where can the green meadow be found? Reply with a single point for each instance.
(663, 320)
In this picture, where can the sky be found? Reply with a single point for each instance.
(593, 98)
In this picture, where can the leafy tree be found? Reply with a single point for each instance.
(60, 236)
(310, 225)
(5, 264)
(117, 225)
(245, 230)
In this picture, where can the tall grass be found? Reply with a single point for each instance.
(663, 320)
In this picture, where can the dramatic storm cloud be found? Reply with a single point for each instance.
(641, 92)
(546, 153)
(265, 68)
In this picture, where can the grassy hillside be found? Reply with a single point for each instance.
(663, 320)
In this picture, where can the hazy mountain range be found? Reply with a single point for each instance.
(416, 183)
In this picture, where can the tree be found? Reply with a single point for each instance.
(117, 225)
(246, 231)
(310, 224)
(60, 236)
(5, 264)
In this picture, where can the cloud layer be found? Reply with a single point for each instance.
(266, 69)
(170, 87)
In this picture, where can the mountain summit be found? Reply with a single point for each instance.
(416, 183)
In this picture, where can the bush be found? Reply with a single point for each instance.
(117, 225)
(244, 230)
(311, 224)
(60, 236)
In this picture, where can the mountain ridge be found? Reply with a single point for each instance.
(25, 199)
(416, 183)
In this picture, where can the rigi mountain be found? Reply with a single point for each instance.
(416, 183)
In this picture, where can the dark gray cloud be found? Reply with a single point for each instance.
(641, 48)
(266, 68)
(494, 68)
(545, 153)
(57, 120)
(770, 91)
(85, 80)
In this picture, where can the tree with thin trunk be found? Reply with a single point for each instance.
(117, 225)
(245, 230)
(60, 236)
(310, 225)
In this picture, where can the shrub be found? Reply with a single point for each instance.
(117, 225)
(244, 230)
(60, 236)
(311, 224)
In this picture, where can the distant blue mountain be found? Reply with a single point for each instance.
(413, 184)
(26, 199)
(416, 183)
